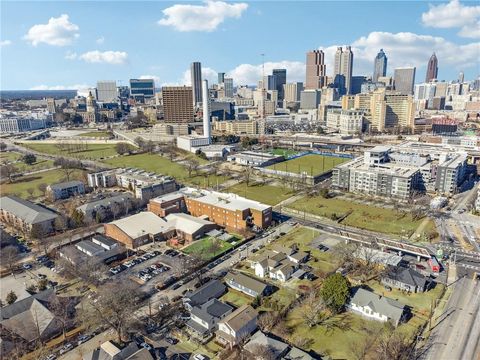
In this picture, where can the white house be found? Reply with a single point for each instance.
(240, 323)
(377, 307)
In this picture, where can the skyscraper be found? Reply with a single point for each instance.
(280, 76)
(107, 91)
(142, 88)
(316, 72)
(177, 104)
(404, 80)
(461, 77)
(196, 74)
(228, 86)
(292, 91)
(379, 66)
(269, 82)
(221, 77)
(432, 68)
(343, 67)
(206, 110)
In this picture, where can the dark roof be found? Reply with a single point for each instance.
(212, 311)
(27, 211)
(407, 276)
(89, 246)
(108, 241)
(105, 203)
(66, 185)
(246, 281)
(212, 289)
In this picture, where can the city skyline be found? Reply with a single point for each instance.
(75, 45)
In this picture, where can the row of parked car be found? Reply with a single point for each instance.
(131, 263)
(69, 346)
(151, 271)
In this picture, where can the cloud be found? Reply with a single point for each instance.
(100, 40)
(154, 77)
(61, 87)
(207, 74)
(105, 57)
(454, 15)
(71, 55)
(206, 17)
(248, 74)
(57, 32)
(5, 43)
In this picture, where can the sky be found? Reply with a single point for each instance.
(72, 44)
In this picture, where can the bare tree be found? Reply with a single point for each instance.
(114, 307)
(9, 257)
(313, 310)
(247, 174)
(392, 345)
(8, 170)
(192, 165)
(64, 309)
(43, 188)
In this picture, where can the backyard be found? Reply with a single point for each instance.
(22, 185)
(236, 298)
(360, 215)
(311, 164)
(79, 151)
(207, 248)
(266, 194)
(161, 165)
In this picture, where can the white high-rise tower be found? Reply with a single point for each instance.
(206, 110)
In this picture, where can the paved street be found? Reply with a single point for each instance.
(456, 332)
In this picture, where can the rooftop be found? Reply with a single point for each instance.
(243, 315)
(246, 281)
(27, 211)
(186, 223)
(141, 224)
(383, 305)
(66, 185)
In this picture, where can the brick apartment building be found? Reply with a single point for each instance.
(168, 204)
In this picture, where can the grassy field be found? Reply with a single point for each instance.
(22, 184)
(161, 165)
(203, 248)
(312, 164)
(15, 159)
(284, 152)
(92, 151)
(361, 216)
(97, 134)
(267, 194)
(236, 298)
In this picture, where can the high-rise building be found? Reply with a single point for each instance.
(356, 85)
(343, 67)
(196, 75)
(107, 91)
(177, 104)
(228, 86)
(461, 79)
(390, 110)
(142, 88)
(404, 79)
(221, 77)
(432, 68)
(292, 91)
(269, 82)
(316, 72)
(280, 76)
(310, 99)
(379, 66)
(206, 110)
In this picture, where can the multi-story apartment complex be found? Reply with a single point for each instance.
(240, 127)
(177, 104)
(400, 172)
(390, 110)
(345, 121)
(26, 216)
(65, 190)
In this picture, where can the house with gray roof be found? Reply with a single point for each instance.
(122, 202)
(275, 265)
(204, 318)
(25, 215)
(237, 325)
(111, 351)
(261, 342)
(64, 190)
(377, 307)
(406, 279)
(211, 290)
(247, 285)
(29, 319)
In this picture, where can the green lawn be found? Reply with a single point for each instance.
(22, 184)
(15, 159)
(203, 248)
(161, 165)
(236, 298)
(267, 194)
(362, 216)
(88, 151)
(284, 152)
(311, 164)
(95, 134)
